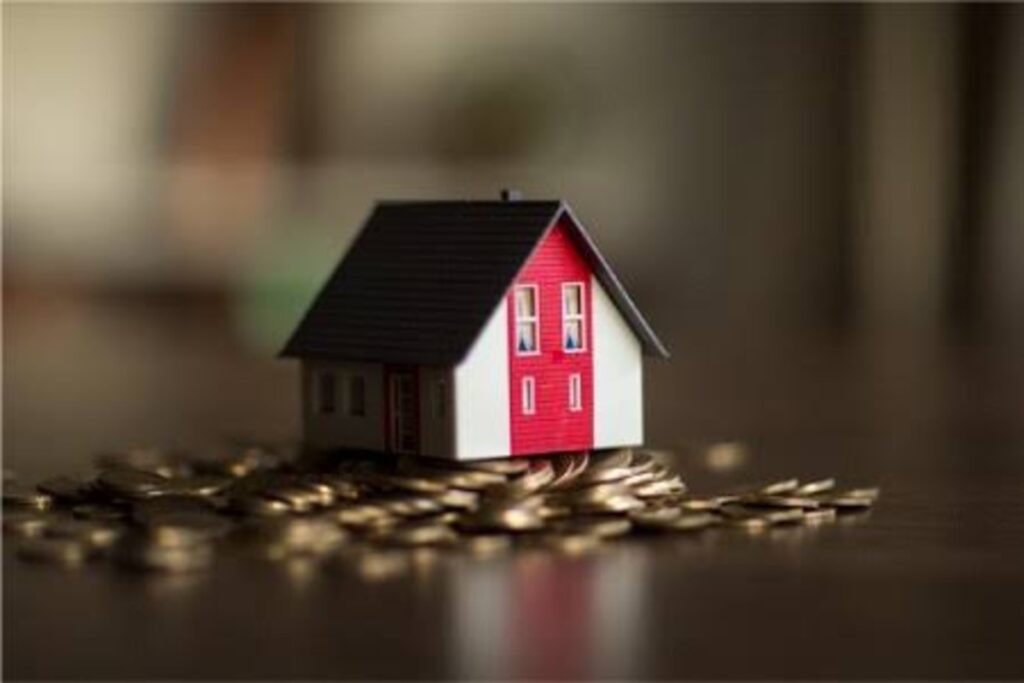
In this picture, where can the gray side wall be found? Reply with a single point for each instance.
(339, 430)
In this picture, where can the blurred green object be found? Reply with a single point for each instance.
(283, 273)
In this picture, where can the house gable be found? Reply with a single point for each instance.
(549, 358)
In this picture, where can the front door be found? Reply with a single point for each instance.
(403, 428)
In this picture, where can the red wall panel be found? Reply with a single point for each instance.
(552, 426)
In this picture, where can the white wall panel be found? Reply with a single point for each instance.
(436, 422)
(618, 376)
(482, 424)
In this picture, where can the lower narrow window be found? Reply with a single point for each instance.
(575, 392)
(528, 398)
(325, 393)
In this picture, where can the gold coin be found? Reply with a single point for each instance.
(20, 496)
(136, 553)
(26, 523)
(813, 488)
(596, 525)
(63, 551)
(569, 544)
(129, 483)
(780, 487)
(423, 533)
(258, 506)
(64, 489)
(819, 516)
(654, 518)
(483, 545)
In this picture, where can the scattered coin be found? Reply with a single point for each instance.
(64, 489)
(421, 533)
(871, 494)
(601, 526)
(298, 535)
(569, 544)
(781, 487)
(25, 523)
(845, 502)
(64, 551)
(110, 513)
(378, 514)
(23, 497)
(813, 488)
(142, 554)
(130, 483)
(510, 516)
(258, 506)
(201, 486)
(485, 545)
(96, 535)
(819, 516)
(184, 528)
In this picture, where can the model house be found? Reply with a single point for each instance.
(473, 329)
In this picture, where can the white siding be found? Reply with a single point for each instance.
(436, 429)
(338, 430)
(618, 376)
(482, 423)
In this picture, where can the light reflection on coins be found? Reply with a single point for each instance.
(383, 516)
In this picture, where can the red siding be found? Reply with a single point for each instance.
(552, 426)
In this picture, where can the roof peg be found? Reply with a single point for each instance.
(509, 194)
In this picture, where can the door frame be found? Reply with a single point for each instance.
(392, 375)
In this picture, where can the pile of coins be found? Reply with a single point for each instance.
(151, 510)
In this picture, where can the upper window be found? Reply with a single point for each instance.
(527, 320)
(325, 393)
(355, 399)
(573, 336)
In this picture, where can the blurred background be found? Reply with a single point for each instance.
(820, 208)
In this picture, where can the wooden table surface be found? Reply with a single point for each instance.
(929, 585)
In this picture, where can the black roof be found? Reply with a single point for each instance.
(423, 277)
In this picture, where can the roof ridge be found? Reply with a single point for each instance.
(503, 202)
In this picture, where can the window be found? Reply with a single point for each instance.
(325, 396)
(573, 337)
(527, 328)
(355, 400)
(575, 393)
(440, 403)
(528, 398)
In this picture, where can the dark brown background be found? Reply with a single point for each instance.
(819, 208)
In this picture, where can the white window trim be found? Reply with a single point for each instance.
(528, 396)
(534, 319)
(573, 317)
(575, 392)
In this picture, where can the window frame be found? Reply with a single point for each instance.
(575, 392)
(325, 392)
(533, 320)
(528, 395)
(580, 317)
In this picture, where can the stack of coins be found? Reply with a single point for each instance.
(150, 510)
